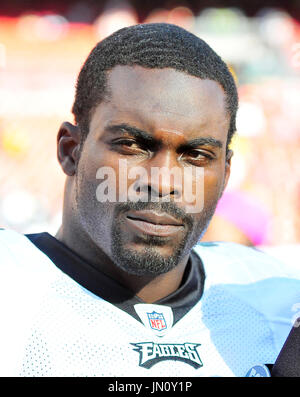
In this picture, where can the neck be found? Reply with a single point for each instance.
(160, 286)
(149, 288)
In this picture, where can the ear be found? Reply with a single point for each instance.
(229, 155)
(68, 144)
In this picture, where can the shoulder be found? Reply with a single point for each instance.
(235, 262)
(247, 283)
(19, 255)
(12, 244)
(25, 271)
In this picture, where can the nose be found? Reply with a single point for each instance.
(164, 177)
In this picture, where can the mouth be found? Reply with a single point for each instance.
(153, 223)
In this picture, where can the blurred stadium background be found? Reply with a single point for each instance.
(42, 47)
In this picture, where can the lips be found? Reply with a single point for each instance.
(153, 223)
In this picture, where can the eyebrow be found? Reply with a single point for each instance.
(194, 143)
(133, 131)
(147, 137)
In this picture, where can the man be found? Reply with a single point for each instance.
(120, 291)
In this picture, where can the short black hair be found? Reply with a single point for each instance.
(155, 45)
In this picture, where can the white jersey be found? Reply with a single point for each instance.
(52, 326)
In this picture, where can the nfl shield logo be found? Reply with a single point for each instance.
(157, 321)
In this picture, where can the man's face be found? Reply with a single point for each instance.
(154, 119)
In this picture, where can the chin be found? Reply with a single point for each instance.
(146, 261)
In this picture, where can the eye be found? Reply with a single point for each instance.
(126, 142)
(197, 157)
(128, 146)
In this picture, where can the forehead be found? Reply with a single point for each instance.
(165, 98)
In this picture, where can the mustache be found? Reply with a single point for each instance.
(169, 208)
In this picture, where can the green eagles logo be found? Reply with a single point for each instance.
(151, 353)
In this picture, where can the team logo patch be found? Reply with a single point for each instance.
(157, 321)
(151, 353)
(259, 370)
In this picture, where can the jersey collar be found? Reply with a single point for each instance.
(85, 274)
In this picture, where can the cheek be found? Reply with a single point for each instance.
(94, 216)
(96, 165)
(203, 190)
(214, 185)
(95, 168)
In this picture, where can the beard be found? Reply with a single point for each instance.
(148, 261)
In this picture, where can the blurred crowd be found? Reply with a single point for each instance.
(40, 57)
